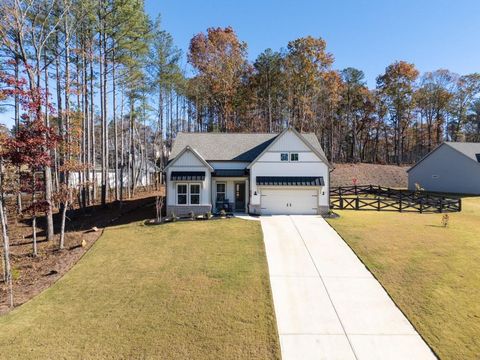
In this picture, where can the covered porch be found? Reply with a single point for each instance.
(230, 190)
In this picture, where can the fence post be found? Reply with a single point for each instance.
(356, 204)
(441, 205)
(378, 204)
(460, 204)
(400, 207)
(356, 191)
(341, 203)
(421, 206)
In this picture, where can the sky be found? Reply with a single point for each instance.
(366, 34)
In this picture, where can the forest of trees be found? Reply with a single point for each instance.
(98, 89)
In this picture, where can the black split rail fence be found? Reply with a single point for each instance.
(379, 198)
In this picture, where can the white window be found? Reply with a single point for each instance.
(182, 194)
(194, 194)
(221, 189)
(284, 157)
(293, 156)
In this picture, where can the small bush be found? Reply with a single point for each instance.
(191, 215)
(223, 213)
(174, 217)
(208, 215)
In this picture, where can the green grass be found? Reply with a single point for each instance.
(188, 290)
(431, 272)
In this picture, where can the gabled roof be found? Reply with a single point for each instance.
(468, 149)
(312, 143)
(194, 152)
(232, 146)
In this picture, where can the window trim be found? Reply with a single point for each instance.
(221, 192)
(190, 193)
(178, 193)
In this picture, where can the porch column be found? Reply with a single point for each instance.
(213, 191)
(247, 195)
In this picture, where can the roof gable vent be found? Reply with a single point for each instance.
(478, 157)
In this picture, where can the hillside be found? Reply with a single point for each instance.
(366, 174)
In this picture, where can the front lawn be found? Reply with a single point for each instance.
(431, 272)
(188, 290)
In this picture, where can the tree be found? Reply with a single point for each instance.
(467, 88)
(396, 85)
(165, 75)
(306, 65)
(219, 58)
(30, 147)
(269, 86)
(25, 29)
(353, 99)
(433, 99)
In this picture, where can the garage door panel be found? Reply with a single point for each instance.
(289, 201)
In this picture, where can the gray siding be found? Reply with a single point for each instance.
(446, 170)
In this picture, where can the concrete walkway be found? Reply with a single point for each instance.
(327, 304)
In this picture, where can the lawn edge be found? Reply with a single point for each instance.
(386, 291)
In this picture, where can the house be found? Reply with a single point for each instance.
(286, 173)
(452, 167)
(145, 175)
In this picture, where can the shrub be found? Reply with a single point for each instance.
(191, 215)
(223, 213)
(174, 217)
(208, 215)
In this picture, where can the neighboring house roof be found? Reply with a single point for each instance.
(232, 146)
(468, 149)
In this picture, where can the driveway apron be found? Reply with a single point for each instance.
(327, 304)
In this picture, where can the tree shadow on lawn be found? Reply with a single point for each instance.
(111, 214)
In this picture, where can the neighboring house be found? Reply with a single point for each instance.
(144, 177)
(284, 173)
(452, 167)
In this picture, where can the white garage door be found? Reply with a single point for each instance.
(289, 201)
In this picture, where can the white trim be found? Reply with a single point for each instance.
(194, 152)
(188, 194)
(224, 183)
(300, 136)
(177, 193)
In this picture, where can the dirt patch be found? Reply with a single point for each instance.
(32, 275)
(370, 174)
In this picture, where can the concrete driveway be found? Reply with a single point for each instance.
(327, 304)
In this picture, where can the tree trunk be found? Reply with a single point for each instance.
(62, 228)
(48, 171)
(6, 255)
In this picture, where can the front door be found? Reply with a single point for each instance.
(240, 196)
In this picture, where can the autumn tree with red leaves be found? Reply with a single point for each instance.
(29, 149)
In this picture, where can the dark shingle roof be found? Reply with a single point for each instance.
(231, 146)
